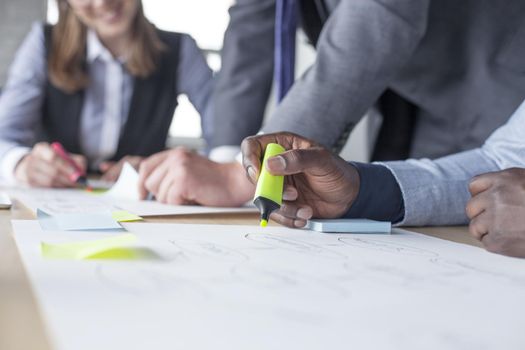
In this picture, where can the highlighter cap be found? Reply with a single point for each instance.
(269, 186)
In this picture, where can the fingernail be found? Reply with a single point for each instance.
(289, 195)
(277, 163)
(299, 223)
(252, 174)
(303, 213)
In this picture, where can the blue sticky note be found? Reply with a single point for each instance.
(350, 226)
(77, 221)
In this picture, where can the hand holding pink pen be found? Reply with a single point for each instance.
(50, 166)
(79, 175)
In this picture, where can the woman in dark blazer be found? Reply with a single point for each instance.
(103, 82)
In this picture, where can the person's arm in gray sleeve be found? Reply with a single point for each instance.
(436, 192)
(361, 48)
(244, 82)
(418, 192)
(21, 101)
(195, 79)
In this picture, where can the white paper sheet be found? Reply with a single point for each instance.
(76, 222)
(242, 287)
(60, 201)
(127, 185)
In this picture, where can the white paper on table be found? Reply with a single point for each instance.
(123, 195)
(244, 287)
(60, 201)
(127, 185)
(76, 222)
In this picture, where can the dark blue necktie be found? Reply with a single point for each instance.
(285, 31)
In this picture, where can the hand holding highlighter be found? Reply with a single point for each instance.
(269, 191)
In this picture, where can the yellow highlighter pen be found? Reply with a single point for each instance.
(269, 191)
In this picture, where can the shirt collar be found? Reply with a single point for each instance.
(95, 49)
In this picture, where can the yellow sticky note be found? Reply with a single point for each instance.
(124, 216)
(96, 191)
(107, 248)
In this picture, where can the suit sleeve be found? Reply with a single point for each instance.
(362, 46)
(245, 80)
(195, 79)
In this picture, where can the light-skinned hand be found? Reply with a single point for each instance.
(111, 170)
(180, 176)
(42, 167)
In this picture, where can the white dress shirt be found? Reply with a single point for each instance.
(102, 123)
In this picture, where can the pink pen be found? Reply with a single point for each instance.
(79, 176)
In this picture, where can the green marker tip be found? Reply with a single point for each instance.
(264, 223)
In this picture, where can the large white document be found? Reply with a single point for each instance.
(61, 201)
(123, 195)
(243, 287)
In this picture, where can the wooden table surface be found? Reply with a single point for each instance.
(21, 325)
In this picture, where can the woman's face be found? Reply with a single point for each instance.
(109, 18)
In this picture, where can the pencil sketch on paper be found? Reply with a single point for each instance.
(459, 268)
(127, 281)
(210, 250)
(387, 274)
(60, 201)
(145, 281)
(220, 282)
(264, 277)
(388, 247)
(60, 204)
(281, 278)
(294, 245)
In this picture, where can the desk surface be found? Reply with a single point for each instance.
(21, 325)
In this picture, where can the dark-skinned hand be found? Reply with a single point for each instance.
(318, 184)
(497, 211)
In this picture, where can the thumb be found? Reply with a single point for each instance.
(299, 161)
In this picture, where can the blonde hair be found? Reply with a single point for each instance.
(66, 65)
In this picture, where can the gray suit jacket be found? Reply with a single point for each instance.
(461, 62)
(436, 192)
